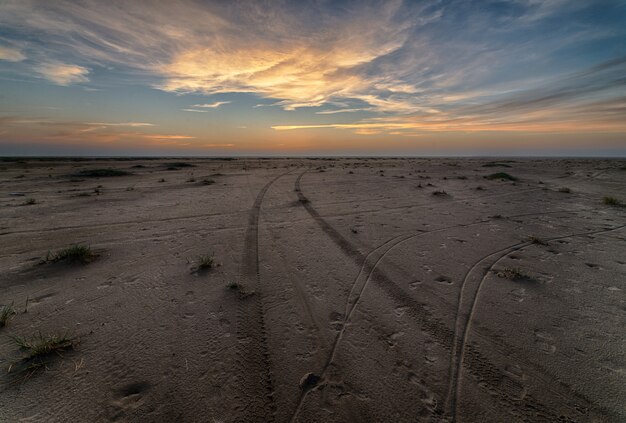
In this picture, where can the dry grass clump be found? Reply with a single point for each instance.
(72, 254)
(537, 241)
(512, 273)
(39, 349)
(612, 201)
(206, 262)
(6, 314)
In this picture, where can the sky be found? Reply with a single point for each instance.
(291, 78)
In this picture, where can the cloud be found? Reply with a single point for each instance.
(211, 105)
(11, 55)
(63, 74)
(434, 66)
(214, 105)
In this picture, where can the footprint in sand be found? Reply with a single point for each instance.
(544, 342)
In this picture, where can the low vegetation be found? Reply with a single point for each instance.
(565, 190)
(537, 241)
(206, 262)
(30, 202)
(612, 201)
(72, 254)
(39, 349)
(207, 182)
(495, 164)
(501, 176)
(100, 173)
(6, 314)
(440, 193)
(512, 273)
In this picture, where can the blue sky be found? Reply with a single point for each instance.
(290, 78)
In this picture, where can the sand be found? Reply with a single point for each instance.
(344, 290)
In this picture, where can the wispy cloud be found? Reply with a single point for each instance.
(202, 108)
(63, 74)
(211, 105)
(11, 54)
(413, 67)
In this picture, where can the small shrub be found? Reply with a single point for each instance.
(30, 202)
(73, 254)
(206, 262)
(234, 286)
(536, 240)
(502, 176)
(441, 193)
(480, 188)
(512, 273)
(6, 314)
(192, 179)
(207, 182)
(84, 194)
(162, 180)
(612, 201)
(565, 190)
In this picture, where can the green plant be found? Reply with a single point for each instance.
(39, 349)
(73, 253)
(612, 201)
(206, 262)
(6, 314)
(501, 176)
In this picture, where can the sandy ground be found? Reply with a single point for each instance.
(394, 301)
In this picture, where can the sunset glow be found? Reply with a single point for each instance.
(247, 78)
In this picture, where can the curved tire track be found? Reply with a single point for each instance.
(464, 320)
(476, 363)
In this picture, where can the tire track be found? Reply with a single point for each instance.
(255, 384)
(463, 321)
(480, 366)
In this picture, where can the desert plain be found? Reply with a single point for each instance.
(313, 290)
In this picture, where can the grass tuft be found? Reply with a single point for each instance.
(72, 254)
(6, 314)
(612, 201)
(206, 262)
(512, 273)
(502, 176)
(39, 349)
(537, 241)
